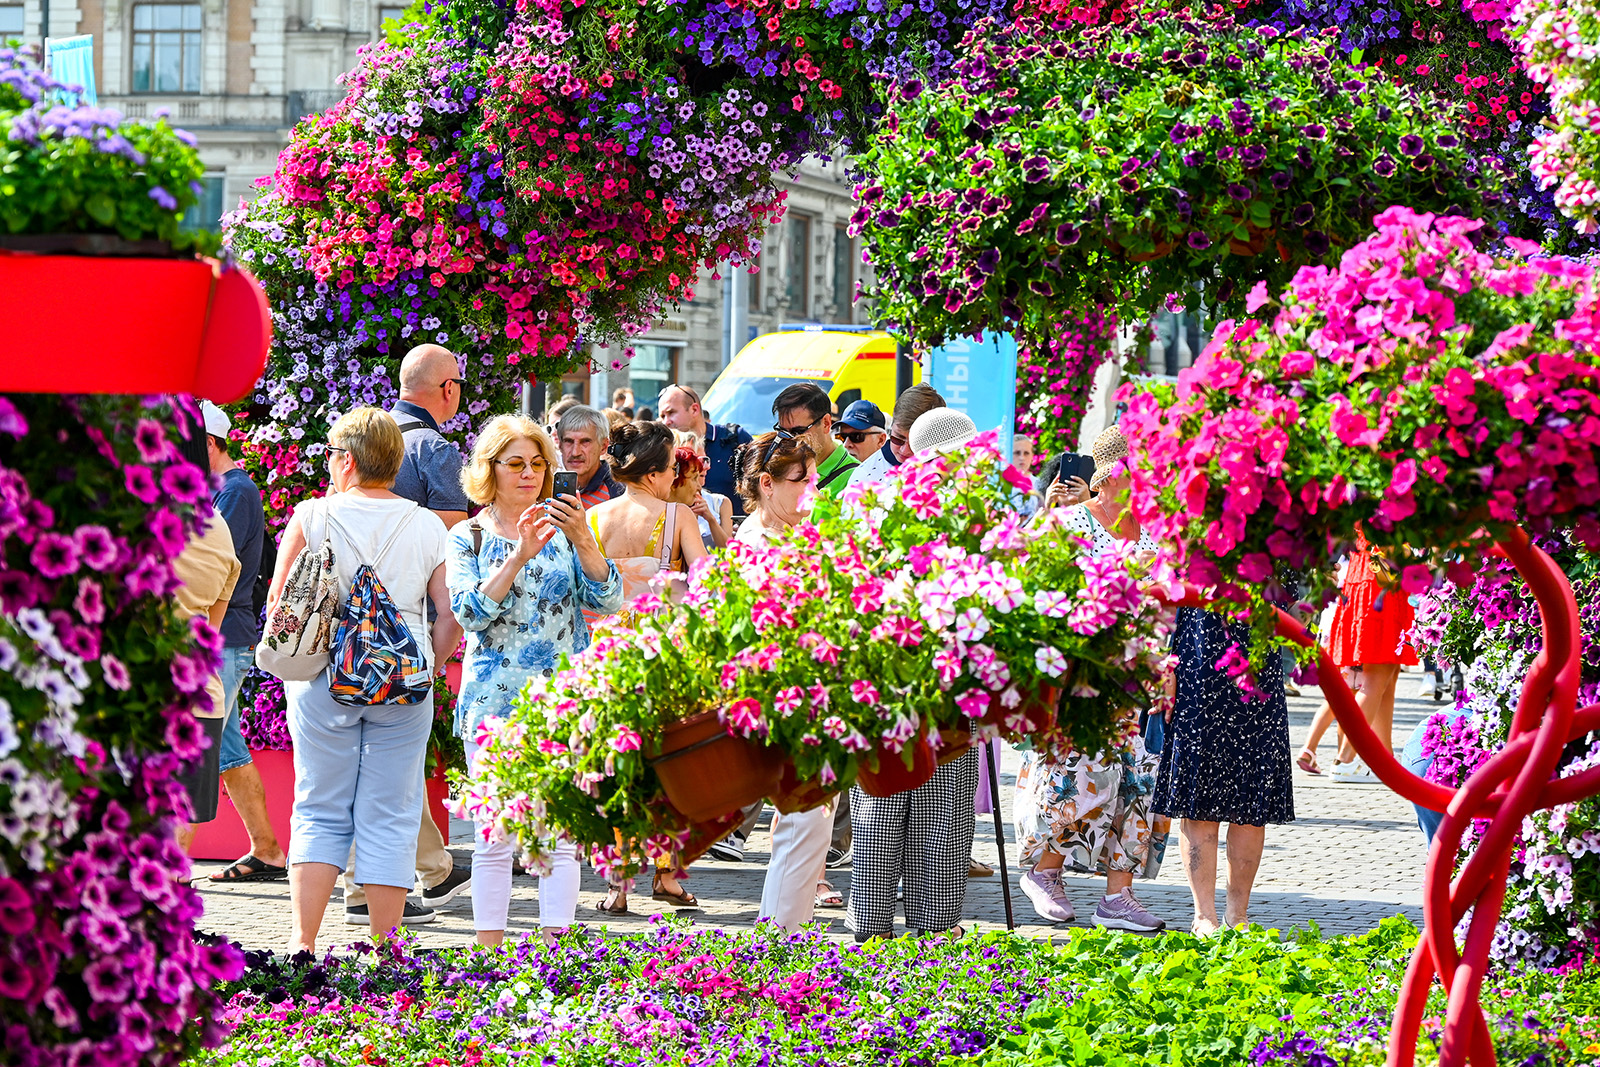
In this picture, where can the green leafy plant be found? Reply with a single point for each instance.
(85, 170)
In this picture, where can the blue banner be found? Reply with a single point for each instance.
(72, 63)
(980, 378)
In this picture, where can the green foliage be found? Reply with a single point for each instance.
(85, 170)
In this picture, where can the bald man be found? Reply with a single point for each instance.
(430, 475)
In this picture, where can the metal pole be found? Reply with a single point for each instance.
(902, 368)
(999, 832)
(533, 399)
(44, 35)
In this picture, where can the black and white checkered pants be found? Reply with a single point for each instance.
(923, 838)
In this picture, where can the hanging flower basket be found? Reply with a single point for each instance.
(1256, 244)
(708, 772)
(892, 775)
(134, 324)
(702, 835)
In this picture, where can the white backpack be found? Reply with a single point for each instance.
(296, 643)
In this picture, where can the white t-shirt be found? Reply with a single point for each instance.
(412, 541)
(752, 531)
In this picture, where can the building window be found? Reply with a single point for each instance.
(654, 367)
(166, 48)
(844, 276)
(10, 22)
(799, 266)
(576, 385)
(387, 13)
(207, 214)
(753, 282)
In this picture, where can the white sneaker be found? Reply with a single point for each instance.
(1356, 771)
(1049, 898)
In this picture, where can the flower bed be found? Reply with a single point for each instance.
(677, 995)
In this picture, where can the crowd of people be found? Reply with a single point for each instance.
(497, 550)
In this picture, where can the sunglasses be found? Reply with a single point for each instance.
(798, 431)
(855, 437)
(517, 464)
(898, 441)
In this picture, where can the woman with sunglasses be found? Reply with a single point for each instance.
(774, 473)
(519, 573)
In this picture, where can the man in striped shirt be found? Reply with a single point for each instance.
(583, 435)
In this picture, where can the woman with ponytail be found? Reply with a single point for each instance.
(646, 535)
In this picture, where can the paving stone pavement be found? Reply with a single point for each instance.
(1353, 856)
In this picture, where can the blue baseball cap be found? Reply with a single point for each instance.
(863, 415)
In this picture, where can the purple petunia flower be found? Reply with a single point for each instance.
(1199, 240)
(1239, 192)
(164, 198)
(988, 260)
(1384, 167)
(1411, 144)
(1280, 180)
(106, 980)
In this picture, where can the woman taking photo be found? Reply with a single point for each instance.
(773, 474)
(644, 535)
(1092, 812)
(358, 769)
(519, 573)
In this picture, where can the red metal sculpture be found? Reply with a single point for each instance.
(1515, 782)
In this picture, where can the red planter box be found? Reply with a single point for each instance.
(212, 324)
(224, 838)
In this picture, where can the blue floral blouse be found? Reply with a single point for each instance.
(526, 633)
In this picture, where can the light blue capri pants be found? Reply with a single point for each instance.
(357, 777)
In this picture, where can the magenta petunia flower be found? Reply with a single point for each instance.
(106, 980)
(54, 556)
(151, 440)
(185, 483)
(96, 547)
(141, 483)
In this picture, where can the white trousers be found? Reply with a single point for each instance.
(799, 861)
(491, 880)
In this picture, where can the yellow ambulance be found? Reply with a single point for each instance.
(849, 365)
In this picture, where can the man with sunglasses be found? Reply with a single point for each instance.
(804, 411)
(862, 429)
(430, 475)
(910, 406)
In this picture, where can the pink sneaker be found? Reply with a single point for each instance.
(1124, 912)
(1049, 899)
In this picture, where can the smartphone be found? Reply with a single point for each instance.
(1076, 466)
(566, 483)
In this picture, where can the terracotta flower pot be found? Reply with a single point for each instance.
(793, 796)
(702, 835)
(892, 775)
(955, 743)
(162, 325)
(708, 772)
(1161, 250)
(1257, 244)
(1035, 715)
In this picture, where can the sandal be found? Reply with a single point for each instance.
(976, 869)
(828, 897)
(248, 868)
(681, 899)
(1307, 761)
(619, 908)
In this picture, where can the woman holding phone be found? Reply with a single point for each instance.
(1063, 480)
(519, 573)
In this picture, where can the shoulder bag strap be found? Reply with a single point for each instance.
(409, 424)
(669, 533)
(477, 535)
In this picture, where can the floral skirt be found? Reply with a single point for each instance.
(1095, 811)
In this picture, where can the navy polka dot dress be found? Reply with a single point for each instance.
(1225, 760)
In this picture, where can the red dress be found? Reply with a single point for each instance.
(1371, 621)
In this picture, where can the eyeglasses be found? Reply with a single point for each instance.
(516, 465)
(460, 382)
(896, 439)
(798, 431)
(334, 448)
(855, 437)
